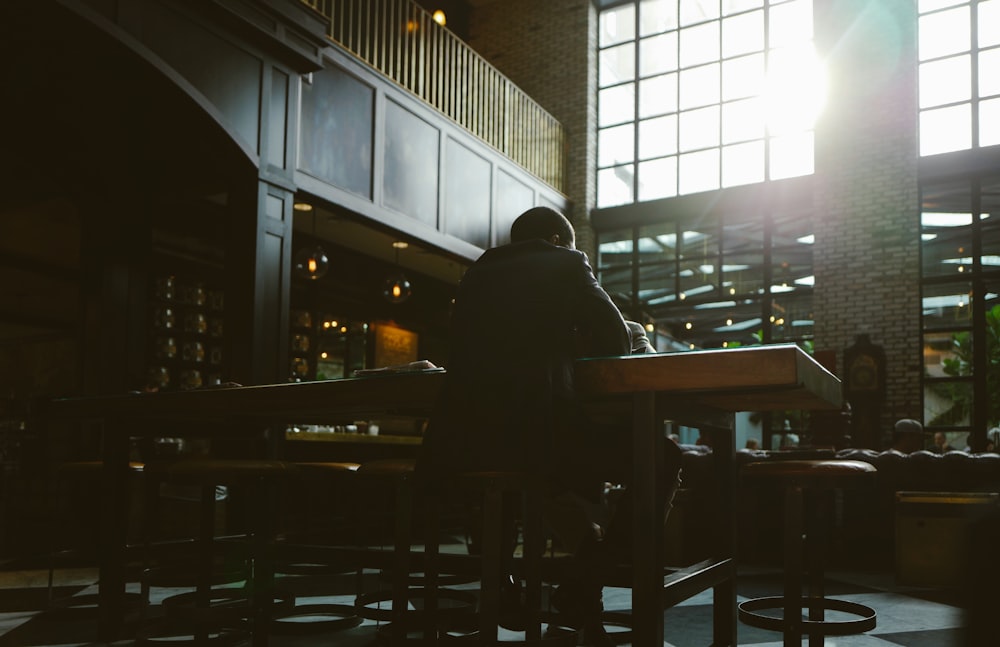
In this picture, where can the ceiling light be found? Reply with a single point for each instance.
(397, 288)
(311, 262)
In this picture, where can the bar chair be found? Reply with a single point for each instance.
(328, 484)
(209, 613)
(808, 485)
(387, 485)
(73, 480)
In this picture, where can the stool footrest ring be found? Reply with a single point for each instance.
(865, 622)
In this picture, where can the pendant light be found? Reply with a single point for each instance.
(397, 288)
(310, 262)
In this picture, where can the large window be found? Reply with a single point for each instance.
(724, 281)
(959, 53)
(697, 95)
(960, 250)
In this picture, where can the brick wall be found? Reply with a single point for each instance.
(867, 218)
(549, 50)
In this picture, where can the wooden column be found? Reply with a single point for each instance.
(257, 283)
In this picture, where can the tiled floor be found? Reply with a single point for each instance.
(906, 616)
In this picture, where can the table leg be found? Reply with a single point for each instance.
(113, 533)
(647, 529)
(724, 622)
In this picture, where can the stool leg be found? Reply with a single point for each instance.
(262, 573)
(820, 509)
(401, 558)
(492, 548)
(431, 566)
(793, 566)
(533, 548)
(206, 541)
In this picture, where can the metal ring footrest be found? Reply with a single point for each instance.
(562, 638)
(224, 605)
(173, 577)
(89, 602)
(865, 622)
(335, 617)
(170, 634)
(466, 603)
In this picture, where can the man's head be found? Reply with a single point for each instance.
(545, 223)
(908, 435)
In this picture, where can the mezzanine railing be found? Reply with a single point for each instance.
(402, 41)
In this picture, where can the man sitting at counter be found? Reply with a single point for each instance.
(524, 312)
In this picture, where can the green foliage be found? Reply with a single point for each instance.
(960, 364)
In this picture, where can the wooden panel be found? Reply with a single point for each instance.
(411, 164)
(467, 194)
(338, 130)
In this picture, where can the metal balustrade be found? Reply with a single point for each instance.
(401, 40)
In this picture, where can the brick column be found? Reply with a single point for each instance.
(867, 220)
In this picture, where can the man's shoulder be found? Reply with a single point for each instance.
(535, 248)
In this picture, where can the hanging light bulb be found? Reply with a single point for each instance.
(311, 262)
(397, 288)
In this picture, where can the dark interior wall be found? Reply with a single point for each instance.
(99, 151)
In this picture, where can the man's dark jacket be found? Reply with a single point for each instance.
(523, 313)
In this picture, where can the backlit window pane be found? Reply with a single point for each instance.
(699, 171)
(989, 23)
(658, 54)
(790, 23)
(617, 64)
(792, 155)
(930, 5)
(657, 16)
(658, 179)
(743, 34)
(699, 128)
(989, 72)
(700, 44)
(617, 104)
(743, 164)
(989, 122)
(742, 77)
(694, 11)
(945, 81)
(729, 7)
(944, 33)
(945, 129)
(614, 186)
(616, 145)
(742, 120)
(658, 137)
(658, 95)
(617, 25)
(699, 86)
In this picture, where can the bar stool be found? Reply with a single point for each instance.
(494, 487)
(393, 478)
(805, 481)
(84, 477)
(335, 480)
(222, 615)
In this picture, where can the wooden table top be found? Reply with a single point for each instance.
(754, 378)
